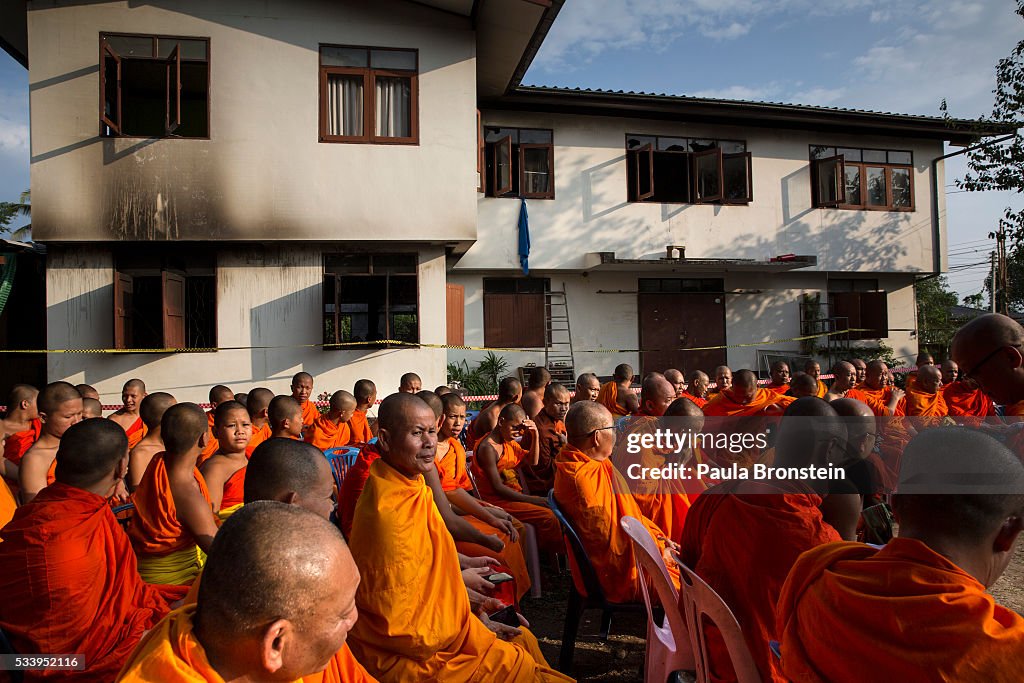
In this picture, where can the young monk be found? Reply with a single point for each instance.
(813, 368)
(396, 519)
(588, 386)
(533, 396)
(174, 522)
(593, 494)
(365, 392)
(779, 377)
(843, 612)
(152, 412)
(302, 391)
(127, 416)
(442, 390)
(510, 390)
(21, 426)
(224, 472)
(67, 570)
(88, 391)
(60, 406)
(242, 397)
(218, 394)
(494, 465)
(540, 478)
(410, 383)
(258, 403)
(450, 460)
(617, 395)
(285, 418)
(697, 389)
(276, 602)
(91, 408)
(331, 430)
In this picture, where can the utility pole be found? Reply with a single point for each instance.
(1000, 270)
(993, 280)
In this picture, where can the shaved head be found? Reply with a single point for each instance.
(623, 373)
(181, 427)
(89, 452)
(87, 391)
(949, 371)
(512, 412)
(860, 426)
(990, 350)
(509, 389)
(554, 392)
(219, 394)
(925, 358)
(929, 378)
(443, 390)
(432, 400)
(723, 377)
(396, 410)
(803, 385)
(818, 441)
(258, 400)
(656, 394)
(279, 467)
(153, 407)
(744, 378)
(452, 400)
(91, 408)
(224, 410)
(300, 377)
(588, 386)
(539, 378)
(283, 408)
(19, 393)
(54, 394)
(845, 376)
(364, 390)
(342, 400)
(410, 383)
(683, 407)
(674, 376)
(583, 419)
(134, 384)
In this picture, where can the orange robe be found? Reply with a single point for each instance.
(743, 546)
(877, 406)
(696, 399)
(608, 397)
(7, 503)
(595, 497)
(343, 668)
(135, 433)
(822, 389)
(911, 383)
(155, 529)
(259, 435)
(212, 444)
(723, 406)
(851, 612)
(540, 477)
(879, 398)
(327, 434)
(16, 445)
(779, 389)
(309, 413)
(1016, 443)
(549, 532)
(451, 470)
(234, 490)
(70, 585)
(961, 400)
(920, 404)
(360, 427)
(352, 487)
(407, 560)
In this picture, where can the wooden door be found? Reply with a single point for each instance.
(669, 322)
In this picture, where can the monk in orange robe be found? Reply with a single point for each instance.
(21, 426)
(174, 518)
(861, 367)
(744, 399)
(510, 390)
(533, 395)
(60, 407)
(151, 410)
(304, 575)
(331, 430)
(232, 429)
(813, 368)
(551, 433)
(285, 418)
(352, 487)
(127, 416)
(67, 570)
(880, 396)
(365, 392)
(697, 389)
(964, 397)
(218, 394)
(302, 392)
(744, 526)
(258, 405)
(407, 559)
(488, 519)
(588, 387)
(410, 383)
(677, 380)
(846, 610)
(592, 493)
(494, 466)
(617, 395)
(924, 359)
(780, 375)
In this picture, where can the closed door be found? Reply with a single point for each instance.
(670, 322)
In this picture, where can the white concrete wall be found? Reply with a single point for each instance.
(266, 298)
(590, 212)
(262, 174)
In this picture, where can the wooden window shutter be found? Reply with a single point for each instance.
(644, 173)
(529, 321)
(455, 314)
(173, 119)
(846, 305)
(874, 315)
(110, 88)
(174, 310)
(499, 320)
(123, 287)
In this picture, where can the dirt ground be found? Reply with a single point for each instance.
(622, 657)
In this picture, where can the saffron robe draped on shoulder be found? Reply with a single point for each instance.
(595, 497)
(779, 389)
(343, 668)
(743, 546)
(696, 399)
(722, 405)
(7, 504)
(852, 612)
(135, 433)
(167, 552)
(822, 389)
(549, 532)
(877, 406)
(16, 445)
(451, 470)
(212, 444)
(70, 585)
(352, 487)
(259, 435)
(234, 490)
(608, 397)
(309, 413)
(360, 426)
(878, 398)
(325, 434)
(962, 400)
(407, 559)
(539, 477)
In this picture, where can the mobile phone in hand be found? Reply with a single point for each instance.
(506, 616)
(500, 577)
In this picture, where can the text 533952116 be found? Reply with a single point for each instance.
(42, 662)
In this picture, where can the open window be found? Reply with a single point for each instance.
(868, 179)
(643, 173)
(829, 175)
(737, 187)
(154, 86)
(519, 162)
(676, 170)
(370, 298)
(502, 182)
(707, 176)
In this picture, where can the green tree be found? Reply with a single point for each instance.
(975, 300)
(935, 324)
(9, 211)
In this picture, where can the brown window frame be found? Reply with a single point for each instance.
(335, 317)
(517, 176)
(109, 127)
(370, 76)
(862, 166)
(692, 184)
(520, 328)
(864, 305)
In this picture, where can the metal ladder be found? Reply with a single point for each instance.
(558, 356)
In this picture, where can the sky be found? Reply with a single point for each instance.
(868, 54)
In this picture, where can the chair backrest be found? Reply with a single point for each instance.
(673, 632)
(341, 459)
(469, 473)
(124, 514)
(579, 553)
(123, 508)
(701, 603)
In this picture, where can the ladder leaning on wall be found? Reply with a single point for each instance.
(558, 356)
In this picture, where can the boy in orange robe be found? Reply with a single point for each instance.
(67, 570)
(285, 418)
(302, 392)
(331, 430)
(916, 609)
(21, 426)
(258, 403)
(151, 411)
(780, 377)
(60, 407)
(592, 493)
(510, 390)
(218, 394)
(532, 400)
(617, 395)
(813, 368)
(305, 579)
(407, 559)
(174, 521)
(494, 466)
(224, 472)
(127, 416)
(365, 392)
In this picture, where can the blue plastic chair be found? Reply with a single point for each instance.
(124, 508)
(578, 604)
(341, 459)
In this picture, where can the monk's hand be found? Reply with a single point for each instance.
(494, 543)
(898, 393)
(530, 425)
(508, 527)
(504, 632)
(483, 604)
(480, 562)
(121, 493)
(475, 581)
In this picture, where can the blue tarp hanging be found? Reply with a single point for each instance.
(524, 238)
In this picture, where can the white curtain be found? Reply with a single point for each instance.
(344, 105)
(392, 104)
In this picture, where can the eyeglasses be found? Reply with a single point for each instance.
(970, 375)
(591, 432)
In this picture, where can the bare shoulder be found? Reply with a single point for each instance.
(122, 418)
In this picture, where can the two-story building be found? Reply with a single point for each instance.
(282, 186)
